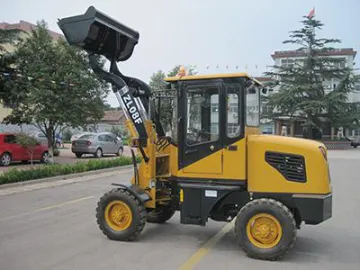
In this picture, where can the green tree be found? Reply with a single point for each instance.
(7, 59)
(10, 36)
(302, 94)
(56, 89)
(27, 142)
(157, 84)
(166, 101)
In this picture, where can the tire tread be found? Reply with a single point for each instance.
(267, 202)
(140, 208)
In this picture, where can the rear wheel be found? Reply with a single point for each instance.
(98, 153)
(120, 215)
(45, 157)
(5, 159)
(120, 151)
(78, 155)
(265, 229)
(160, 214)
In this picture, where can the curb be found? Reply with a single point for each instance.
(64, 177)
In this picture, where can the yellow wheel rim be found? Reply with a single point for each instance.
(264, 231)
(118, 215)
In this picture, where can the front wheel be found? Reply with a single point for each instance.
(120, 215)
(265, 229)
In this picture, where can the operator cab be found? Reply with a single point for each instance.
(214, 111)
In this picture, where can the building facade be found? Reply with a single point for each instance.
(291, 57)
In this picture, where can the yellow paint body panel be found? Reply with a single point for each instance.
(224, 164)
(211, 76)
(262, 177)
(235, 161)
(146, 170)
(212, 164)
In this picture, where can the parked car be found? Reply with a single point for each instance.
(354, 141)
(78, 135)
(98, 144)
(11, 151)
(43, 140)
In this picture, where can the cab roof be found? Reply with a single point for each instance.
(211, 76)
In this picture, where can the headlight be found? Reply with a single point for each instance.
(323, 152)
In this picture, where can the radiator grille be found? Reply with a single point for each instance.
(292, 167)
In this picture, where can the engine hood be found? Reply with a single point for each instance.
(275, 142)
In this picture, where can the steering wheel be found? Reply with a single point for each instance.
(198, 136)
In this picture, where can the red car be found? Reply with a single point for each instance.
(11, 151)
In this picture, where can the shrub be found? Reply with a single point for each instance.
(16, 175)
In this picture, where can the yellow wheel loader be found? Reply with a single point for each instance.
(215, 165)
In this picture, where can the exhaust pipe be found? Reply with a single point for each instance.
(97, 33)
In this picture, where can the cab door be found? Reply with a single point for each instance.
(200, 131)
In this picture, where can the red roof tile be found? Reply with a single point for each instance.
(264, 79)
(26, 27)
(113, 116)
(295, 53)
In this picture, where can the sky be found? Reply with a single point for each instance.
(202, 32)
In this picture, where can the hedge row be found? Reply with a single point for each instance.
(16, 175)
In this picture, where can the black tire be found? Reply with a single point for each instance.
(138, 212)
(120, 151)
(98, 153)
(5, 159)
(278, 211)
(159, 215)
(45, 157)
(78, 155)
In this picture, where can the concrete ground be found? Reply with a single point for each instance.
(53, 226)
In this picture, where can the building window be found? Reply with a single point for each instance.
(287, 62)
(266, 109)
(341, 63)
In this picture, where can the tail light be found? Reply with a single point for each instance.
(323, 152)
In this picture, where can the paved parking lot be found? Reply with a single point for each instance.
(55, 228)
(66, 157)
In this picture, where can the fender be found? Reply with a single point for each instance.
(138, 192)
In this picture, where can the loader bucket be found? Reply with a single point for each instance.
(97, 33)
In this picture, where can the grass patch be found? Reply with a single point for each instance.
(16, 175)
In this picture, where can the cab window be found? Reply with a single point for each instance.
(253, 106)
(233, 111)
(203, 114)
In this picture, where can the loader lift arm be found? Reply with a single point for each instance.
(99, 34)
